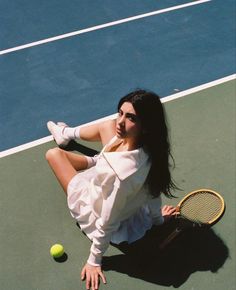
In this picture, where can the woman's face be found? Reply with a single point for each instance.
(128, 125)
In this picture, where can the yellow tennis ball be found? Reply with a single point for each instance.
(57, 251)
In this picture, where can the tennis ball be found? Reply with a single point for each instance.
(57, 251)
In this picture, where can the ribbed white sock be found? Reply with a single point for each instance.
(72, 133)
(91, 160)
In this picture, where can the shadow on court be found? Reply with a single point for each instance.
(194, 250)
(74, 146)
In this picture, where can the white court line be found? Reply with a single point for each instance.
(102, 26)
(198, 88)
(163, 100)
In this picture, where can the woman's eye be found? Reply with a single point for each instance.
(119, 113)
(132, 118)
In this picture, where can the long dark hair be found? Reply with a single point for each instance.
(154, 139)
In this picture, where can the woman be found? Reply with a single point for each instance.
(117, 198)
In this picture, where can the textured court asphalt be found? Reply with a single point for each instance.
(34, 213)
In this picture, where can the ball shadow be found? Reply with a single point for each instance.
(62, 259)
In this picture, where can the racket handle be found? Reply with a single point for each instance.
(171, 237)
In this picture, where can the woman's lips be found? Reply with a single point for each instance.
(119, 131)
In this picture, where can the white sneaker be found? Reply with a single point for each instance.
(57, 132)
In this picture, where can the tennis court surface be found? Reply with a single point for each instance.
(71, 61)
(34, 212)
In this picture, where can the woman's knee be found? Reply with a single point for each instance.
(53, 153)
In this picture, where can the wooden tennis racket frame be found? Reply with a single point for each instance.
(209, 223)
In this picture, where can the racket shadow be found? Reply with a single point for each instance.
(194, 250)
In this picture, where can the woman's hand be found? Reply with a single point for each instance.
(92, 275)
(168, 211)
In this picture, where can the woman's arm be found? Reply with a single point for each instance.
(112, 204)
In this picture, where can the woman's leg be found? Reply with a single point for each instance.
(65, 165)
(102, 132)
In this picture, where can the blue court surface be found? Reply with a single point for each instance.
(71, 61)
(80, 78)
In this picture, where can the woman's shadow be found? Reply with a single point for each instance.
(193, 250)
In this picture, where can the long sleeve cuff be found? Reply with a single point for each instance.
(94, 260)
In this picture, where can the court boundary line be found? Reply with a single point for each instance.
(101, 26)
(163, 100)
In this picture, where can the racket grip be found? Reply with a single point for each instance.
(170, 238)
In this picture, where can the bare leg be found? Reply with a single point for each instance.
(65, 165)
(103, 131)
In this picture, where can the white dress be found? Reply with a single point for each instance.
(110, 201)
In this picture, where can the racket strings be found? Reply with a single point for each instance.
(202, 207)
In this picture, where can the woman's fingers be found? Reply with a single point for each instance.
(95, 281)
(92, 275)
(172, 209)
(88, 282)
(103, 277)
(83, 272)
(168, 211)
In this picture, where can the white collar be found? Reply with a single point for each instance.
(124, 163)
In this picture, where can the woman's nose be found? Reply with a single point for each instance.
(121, 120)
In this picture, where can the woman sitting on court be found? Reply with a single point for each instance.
(118, 197)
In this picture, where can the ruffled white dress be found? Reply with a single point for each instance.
(111, 202)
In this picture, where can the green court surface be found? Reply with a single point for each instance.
(34, 213)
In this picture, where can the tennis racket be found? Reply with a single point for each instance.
(199, 208)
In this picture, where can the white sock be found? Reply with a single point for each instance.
(91, 160)
(72, 133)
